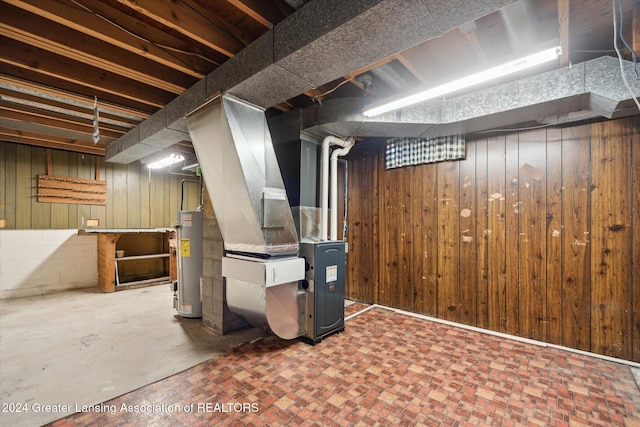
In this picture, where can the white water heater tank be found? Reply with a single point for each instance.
(189, 264)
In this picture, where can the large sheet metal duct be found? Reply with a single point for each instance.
(587, 90)
(323, 40)
(239, 166)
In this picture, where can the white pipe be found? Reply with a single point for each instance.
(324, 194)
(497, 334)
(334, 184)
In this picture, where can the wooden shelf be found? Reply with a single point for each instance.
(137, 270)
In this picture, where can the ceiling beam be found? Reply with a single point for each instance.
(50, 141)
(86, 110)
(25, 113)
(61, 40)
(182, 18)
(90, 24)
(38, 60)
(48, 92)
(265, 12)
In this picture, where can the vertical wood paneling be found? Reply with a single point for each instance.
(145, 215)
(481, 237)
(448, 240)
(119, 196)
(174, 199)
(512, 241)
(74, 222)
(635, 245)
(133, 195)
(3, 181)
(495, 234)
(60, 211)
(533, 251)
(40, 212)
(100, 212)
(575, 258)
(388, 238)
(24, 184)
(10, 185)
(467, 267)
(108, 172)
(610, 238)
(406, 268)
(86, 170)
(429, 290)
(553, 236)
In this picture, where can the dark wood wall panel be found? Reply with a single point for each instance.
(129, 201)
(610, 239)
(536, 233)
(576, 229)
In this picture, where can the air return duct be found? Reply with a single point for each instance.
(239, 166)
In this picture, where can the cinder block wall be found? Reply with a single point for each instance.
(215, 312)
(37, 262)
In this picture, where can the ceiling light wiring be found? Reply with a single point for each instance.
(615, 45)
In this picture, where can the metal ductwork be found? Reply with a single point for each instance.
(320, 42)
(521, 25)
(239, 166)
(588, 90)
(233, 145)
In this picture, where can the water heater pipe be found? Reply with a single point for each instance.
(334, 184)
(324, 194)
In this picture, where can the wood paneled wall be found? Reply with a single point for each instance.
(135, 199)
(535, 233)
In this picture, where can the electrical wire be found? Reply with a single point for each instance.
(633, 52)
(615, 45)
(322, 95)
(158, 45)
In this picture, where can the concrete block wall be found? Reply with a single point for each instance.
(37, 262)
(215, 312)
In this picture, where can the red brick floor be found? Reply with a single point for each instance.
(386, 369)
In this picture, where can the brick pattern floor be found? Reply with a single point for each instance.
(390, 370)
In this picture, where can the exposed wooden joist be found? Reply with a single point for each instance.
(86, 102)
(412, 69)
(49, 141)
(88, 110)
(87, 23)
(23, 113)
(180, 17)
(40, 112)
(35, 31)
(265, 12)
(564, 9)
(225, 26)
(472, 38)
(41, 61)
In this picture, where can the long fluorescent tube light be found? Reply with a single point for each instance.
(167, 161)
(465, 82)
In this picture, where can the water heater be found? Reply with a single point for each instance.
(188, 302)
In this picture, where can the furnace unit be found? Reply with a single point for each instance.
(324, 280)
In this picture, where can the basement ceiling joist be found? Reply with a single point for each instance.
(137, 56)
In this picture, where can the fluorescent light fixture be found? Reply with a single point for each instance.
(167, 161)
(465, 82)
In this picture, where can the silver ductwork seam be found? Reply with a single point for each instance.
(239, 166)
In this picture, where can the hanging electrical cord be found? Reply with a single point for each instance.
(633, 52)
(615, 45)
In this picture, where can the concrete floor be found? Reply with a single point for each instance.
(85, 347)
